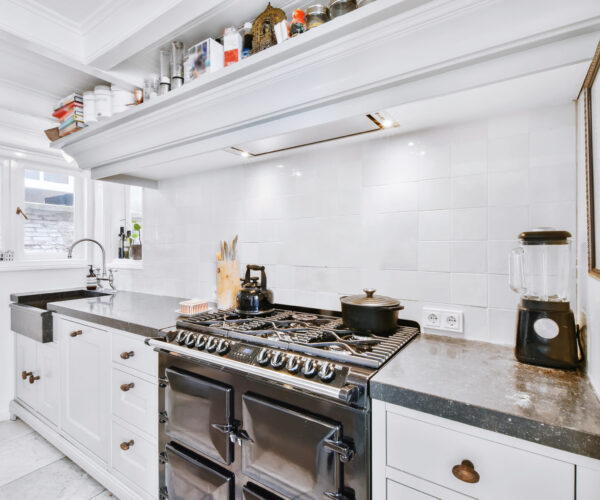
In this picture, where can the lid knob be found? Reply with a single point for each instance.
(370, 292)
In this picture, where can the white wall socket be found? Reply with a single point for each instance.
(443, 319)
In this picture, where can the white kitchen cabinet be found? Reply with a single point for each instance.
(37, 382)
(135, 400)
(26, 364)
(85, 383)
(414, 454)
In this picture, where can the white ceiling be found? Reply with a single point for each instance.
(78, 13)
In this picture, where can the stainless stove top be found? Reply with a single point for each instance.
(319, 335)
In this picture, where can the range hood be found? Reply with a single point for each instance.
(358, 125)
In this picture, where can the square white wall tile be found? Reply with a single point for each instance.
(498, 255)
(469, 191)
(469, 289)
(469, 224)
(552, 183)
(507, 223)
(469, 157)
(468, 257)
(433, 256)
(434, 225)
(434, 194)
(507, 189)
(503, 326)
(500, 294)
(508, 153)
(552, 147)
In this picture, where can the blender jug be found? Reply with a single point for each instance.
(540, 272)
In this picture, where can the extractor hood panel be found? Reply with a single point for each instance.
(304, 137)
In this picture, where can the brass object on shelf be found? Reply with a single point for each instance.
(466, 472)
(263, 28)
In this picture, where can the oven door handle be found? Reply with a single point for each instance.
(342, 449)
(235, 435)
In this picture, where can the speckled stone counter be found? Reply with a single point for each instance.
(133, 312)
(483, 385)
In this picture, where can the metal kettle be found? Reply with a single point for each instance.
(254, 297)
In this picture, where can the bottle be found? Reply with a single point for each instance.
(90, 280)
(246, 33)
(232, 43)
(121, 252)
(298, 25)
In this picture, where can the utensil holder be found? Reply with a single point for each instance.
(228, 283)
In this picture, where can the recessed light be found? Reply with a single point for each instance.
(411, 144)
(19, 154)
(244, 154)
(387, 123)
(422, 153)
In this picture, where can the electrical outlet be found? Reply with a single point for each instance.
(442, 319)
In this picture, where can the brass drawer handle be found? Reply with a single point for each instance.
(126, 445)
(32, 379)
(25, 375)
(127, 355)
(76, 332)
(466, 472)
(126, 387)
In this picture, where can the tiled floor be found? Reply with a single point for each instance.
(33, 469)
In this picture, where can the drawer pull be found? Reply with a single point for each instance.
(24, 375)
(466, 472)
(32, 379)
(75, 333)
(126, 387)
(127, 355)
(126, 445)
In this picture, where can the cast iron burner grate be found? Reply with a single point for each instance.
(314, 334)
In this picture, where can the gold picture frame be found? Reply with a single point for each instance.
(590, 93)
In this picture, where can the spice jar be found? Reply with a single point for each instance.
(298, 24)
(340, 7)
(316, 15)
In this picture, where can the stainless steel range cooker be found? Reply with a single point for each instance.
(268, 407)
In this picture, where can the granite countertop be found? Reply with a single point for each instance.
(134, 312)
(483, 385)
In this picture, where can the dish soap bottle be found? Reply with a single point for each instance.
(90, 280)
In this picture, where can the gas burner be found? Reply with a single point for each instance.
(304, 316)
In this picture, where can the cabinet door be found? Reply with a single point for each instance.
(26, 363)
(85, 378)
(48, 398)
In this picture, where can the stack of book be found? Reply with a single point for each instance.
(69, 112)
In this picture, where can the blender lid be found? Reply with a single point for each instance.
(546, 235)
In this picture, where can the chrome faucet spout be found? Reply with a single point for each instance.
(70, 252)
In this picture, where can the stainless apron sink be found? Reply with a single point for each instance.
(29, 313)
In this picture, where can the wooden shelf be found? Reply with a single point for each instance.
(385, 54)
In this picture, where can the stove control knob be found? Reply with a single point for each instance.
(293, 365)
(191, 339)
(327, 372)
(211, 344)
(309, 369)
(180, 338)
(277, 360)
(263, 357)
(200, 342)
(222, 347)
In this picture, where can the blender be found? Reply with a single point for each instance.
(540, 273)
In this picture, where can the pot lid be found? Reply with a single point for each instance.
(547, 235)
(369, 299)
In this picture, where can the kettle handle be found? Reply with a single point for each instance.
(263, 275)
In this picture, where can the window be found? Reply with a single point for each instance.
(51, 202)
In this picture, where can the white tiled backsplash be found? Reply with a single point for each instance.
(427, 217)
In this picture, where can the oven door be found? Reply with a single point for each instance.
(291, 451)
(199, 414)
(188, 476)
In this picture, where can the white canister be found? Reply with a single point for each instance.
(89, 107)
(120, 98)
(103, 101)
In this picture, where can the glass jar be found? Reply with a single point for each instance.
(176, 59)
(165, 66)
(102, 101)
(316, 15)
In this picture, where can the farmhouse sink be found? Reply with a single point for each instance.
(29, 313)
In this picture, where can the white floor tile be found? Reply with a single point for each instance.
(13, 429)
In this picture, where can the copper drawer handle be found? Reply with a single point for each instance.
(466, 472)
(126, 387)
(32, 379)
(25, 375)
(126, 445)
(76, 332)
(127, 355)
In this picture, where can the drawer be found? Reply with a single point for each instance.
(135, 400)
(430, 452)
(134, 457)
(132, 352)
(399, 491)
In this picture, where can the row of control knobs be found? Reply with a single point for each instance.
(200, 342)
(294, 364)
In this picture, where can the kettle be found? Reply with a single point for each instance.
(254, 297)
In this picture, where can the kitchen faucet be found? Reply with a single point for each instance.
(103, 276)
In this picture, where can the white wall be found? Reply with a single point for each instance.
(588, 313)
(24, 281)
(428, 218)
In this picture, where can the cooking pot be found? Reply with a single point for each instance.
(254, 297)
(370, 313)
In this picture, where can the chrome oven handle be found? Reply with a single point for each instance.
(347, 393)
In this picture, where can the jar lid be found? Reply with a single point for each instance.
(369, 299)
(544, 235)
(317, 9)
